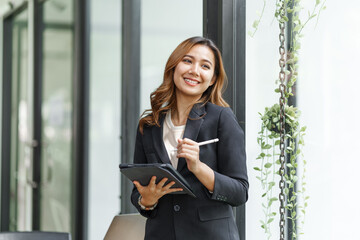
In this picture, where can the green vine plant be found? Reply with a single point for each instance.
(269, 137)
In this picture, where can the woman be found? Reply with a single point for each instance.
(188, 108)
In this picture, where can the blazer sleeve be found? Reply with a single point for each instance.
(231, 180)
(140, 157)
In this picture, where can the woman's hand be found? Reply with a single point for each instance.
(189, 150)
(151, 193)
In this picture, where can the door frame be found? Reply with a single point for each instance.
(34, 24)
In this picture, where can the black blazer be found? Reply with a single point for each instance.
(210, 215)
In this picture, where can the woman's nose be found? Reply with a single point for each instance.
(194, 70)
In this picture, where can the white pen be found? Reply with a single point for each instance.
(205, 142)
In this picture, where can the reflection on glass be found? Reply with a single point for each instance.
(21, 116)
(104, 132)
(56, 116)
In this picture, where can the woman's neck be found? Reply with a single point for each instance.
(183, 108)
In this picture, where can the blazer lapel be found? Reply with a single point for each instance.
(157, 136)
(192, 128)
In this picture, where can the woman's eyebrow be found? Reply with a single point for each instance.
(204, 59)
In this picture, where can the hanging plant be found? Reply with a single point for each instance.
(270, 137)
(269, 141)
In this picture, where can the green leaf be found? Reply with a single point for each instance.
(270, 220)
(255, 23)
(295, 178)
(297, 28)
(268, 165)
(257, 169)
(317, 2)
(267, 146)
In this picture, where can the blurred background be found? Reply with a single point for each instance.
(76, 75)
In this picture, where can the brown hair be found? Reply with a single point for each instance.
(164, 97)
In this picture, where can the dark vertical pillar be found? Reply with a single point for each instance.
(36, 143)
(80, 149)
(6, 124)
(224, 23)
(130, 101)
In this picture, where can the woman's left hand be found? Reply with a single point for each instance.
(189, 150)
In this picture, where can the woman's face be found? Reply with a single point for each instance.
(195, 72)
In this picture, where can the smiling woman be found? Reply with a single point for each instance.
(188, 108)
(195, 73)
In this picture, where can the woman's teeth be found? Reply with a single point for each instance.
(190, 81)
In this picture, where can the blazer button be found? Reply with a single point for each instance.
(176, 208)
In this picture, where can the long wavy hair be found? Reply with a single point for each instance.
(164, 97)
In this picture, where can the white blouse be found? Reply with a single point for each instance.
(171, 134)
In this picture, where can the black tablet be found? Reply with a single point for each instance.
(143, 173)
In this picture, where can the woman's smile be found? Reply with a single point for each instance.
(191, 82)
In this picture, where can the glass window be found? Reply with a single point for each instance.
(56, 155)
(105, 116)
(163, 27)
(21, 118)
(328, 91)
(327, 95)
(262, 70)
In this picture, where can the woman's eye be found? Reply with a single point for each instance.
(206, 66)
(187, 60)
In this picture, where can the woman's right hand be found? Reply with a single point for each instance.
(151, 193)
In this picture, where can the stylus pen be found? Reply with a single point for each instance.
(205, 142)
